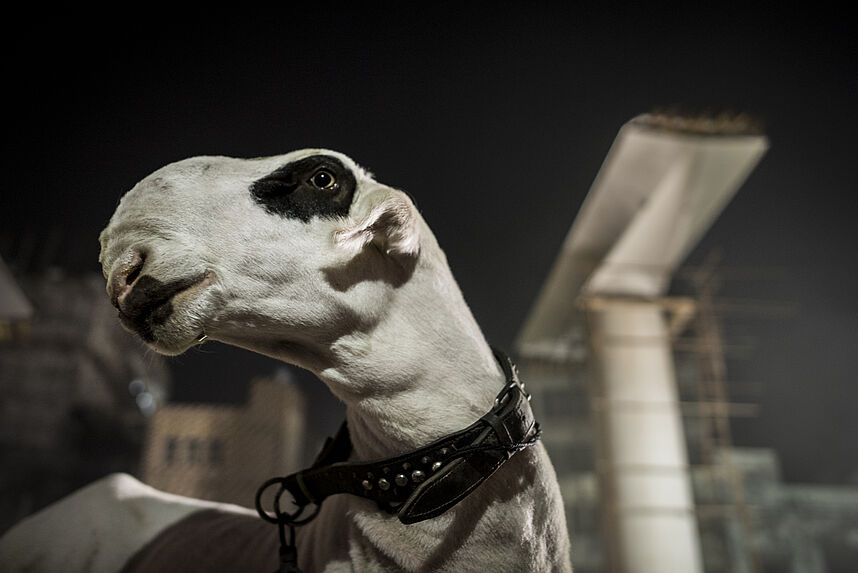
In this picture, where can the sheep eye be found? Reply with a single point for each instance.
(323, 179)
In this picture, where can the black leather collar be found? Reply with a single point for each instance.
(425, 482)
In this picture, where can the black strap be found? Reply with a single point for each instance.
(420, 484)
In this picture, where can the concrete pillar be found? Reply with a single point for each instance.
(650, 508)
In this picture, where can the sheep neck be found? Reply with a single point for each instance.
(423, 372)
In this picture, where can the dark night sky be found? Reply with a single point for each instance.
(495, 118)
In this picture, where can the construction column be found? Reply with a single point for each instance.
(644, 464)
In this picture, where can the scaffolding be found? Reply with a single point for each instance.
(694, 330)
(715, 411)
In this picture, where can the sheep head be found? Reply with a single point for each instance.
(281, 255)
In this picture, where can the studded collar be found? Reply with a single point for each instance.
(423, 483)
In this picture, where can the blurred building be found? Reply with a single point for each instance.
(749, 520)
(67, 416)
(223, 452)
(629, 376)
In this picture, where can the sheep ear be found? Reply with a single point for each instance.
(390, 226)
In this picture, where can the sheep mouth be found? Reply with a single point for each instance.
(150, 303)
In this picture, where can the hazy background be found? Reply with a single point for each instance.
(495, 117)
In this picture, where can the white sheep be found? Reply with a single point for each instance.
(306, 258)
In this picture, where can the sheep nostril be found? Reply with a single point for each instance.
(135, 272)
(124, 279)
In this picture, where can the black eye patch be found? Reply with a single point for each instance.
(316, 186)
